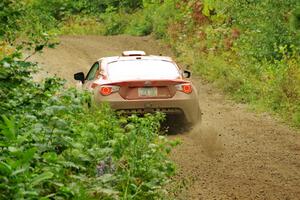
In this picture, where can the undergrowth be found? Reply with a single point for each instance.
(53, 146)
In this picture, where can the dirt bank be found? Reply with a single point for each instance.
(234, 154)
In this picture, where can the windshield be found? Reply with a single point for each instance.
(142, 70)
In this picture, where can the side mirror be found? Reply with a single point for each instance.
(186, 74)
(79, 76)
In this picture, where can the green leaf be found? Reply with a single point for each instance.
(50, 156)
(18, 171)
(5, 168)
(28, 155)
(42, 177)
(8, 128)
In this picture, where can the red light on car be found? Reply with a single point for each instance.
(105, 91)
(186, 88)
(108, 89)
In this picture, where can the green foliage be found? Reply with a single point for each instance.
(162, 17)
(10, 13)
(28, 19)
(100, 6)
(82, 25)
(208, 6)
(153, 18)
(140, 24)
(295, 19)
(58, 9)
(266, 28)
(19, 22)
(53, 146)
(114, 22)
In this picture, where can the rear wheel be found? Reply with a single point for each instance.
(175, 124)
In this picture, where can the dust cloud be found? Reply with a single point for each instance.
(208, 138)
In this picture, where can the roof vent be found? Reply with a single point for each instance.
(133, 53)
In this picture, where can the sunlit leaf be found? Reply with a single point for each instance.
(42, 177)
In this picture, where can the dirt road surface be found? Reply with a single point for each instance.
(233, 154)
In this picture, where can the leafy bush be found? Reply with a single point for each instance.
(53, 146)
(114, 22)
(82, 25)
(139, 25)
(14, 11)
(21, 23)
(160, 15)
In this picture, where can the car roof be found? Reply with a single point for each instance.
(107, 60)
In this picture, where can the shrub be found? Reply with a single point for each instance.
(140, 24)
(53, 146)
(114, 22)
